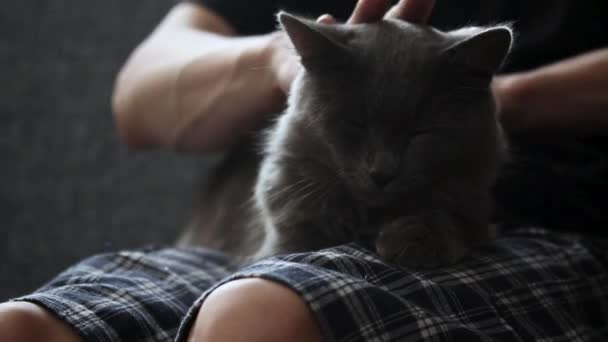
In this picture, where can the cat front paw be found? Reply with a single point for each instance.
(421, 241)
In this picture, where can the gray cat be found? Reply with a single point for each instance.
(390, 139)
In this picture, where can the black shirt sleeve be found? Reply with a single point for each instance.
(257, 17)
(247, 17)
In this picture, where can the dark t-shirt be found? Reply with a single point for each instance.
(548, 30)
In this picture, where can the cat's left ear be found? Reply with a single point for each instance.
(310, 39)
(485, 51)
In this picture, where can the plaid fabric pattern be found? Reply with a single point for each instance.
(132, 295)
(527, 286)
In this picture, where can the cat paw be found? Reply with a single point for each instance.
(421, 242)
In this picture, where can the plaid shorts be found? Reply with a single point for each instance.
(528, 285)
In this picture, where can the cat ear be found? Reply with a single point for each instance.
(485, 51)
(308, 38)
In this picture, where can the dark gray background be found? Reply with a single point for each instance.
(69, 188)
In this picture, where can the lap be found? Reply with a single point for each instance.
(527, 285)
(139, 295)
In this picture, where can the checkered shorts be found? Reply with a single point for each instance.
(528, 285)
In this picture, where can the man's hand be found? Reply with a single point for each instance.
(286, 65)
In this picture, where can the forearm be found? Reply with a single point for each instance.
(194, 89)
(572, 94)
(224, 93)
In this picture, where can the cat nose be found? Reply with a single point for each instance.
(381, 177)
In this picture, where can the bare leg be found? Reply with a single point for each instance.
(254, 310)
(27, 322)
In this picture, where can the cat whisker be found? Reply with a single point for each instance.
(286, 189)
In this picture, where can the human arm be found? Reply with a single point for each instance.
(568, 95)
(193, 86)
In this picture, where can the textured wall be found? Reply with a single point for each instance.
(69, 189)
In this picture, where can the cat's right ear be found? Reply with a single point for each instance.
(310, 40)
(484, 49)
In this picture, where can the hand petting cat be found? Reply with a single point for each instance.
(285, 63)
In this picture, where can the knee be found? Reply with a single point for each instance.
(254, 310)
(27, 322)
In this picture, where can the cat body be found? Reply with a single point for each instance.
(389, 139)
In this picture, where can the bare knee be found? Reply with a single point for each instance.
(254, 310)
(20, 321)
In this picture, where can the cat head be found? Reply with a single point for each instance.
(396, 105)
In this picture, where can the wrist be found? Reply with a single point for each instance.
(284, 63)
(510, 92)
(273, 55)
